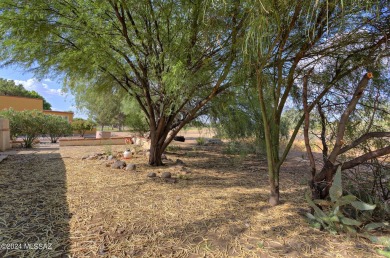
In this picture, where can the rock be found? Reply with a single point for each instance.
(166, 175)
(3, 157)
(179, 139)
(119, 164)
(85, 157)
(152, 174)
(137, 141)
(147, 135)
(170, 180)
(108, 165)
(163, 156)
(131, 167)
(110, 157)
(179, 162)
(214, 141)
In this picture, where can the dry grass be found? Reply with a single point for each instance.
(86, 209)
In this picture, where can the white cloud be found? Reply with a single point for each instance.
(54, 91)
(30, 84)
(40, 87)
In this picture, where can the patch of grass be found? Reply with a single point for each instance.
(107, 149)
(173, 148)
(200, 141)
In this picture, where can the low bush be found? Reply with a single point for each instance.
(81, 126)
(56, 127)
(200, 141)
(28, 124)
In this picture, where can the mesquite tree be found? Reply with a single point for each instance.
(172, 57)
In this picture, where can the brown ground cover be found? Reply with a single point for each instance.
(85, 209)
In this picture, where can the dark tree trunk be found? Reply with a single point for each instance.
(155, 155)
(158, 144)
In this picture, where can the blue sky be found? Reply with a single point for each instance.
(49, 88)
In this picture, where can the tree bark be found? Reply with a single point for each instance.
(155, 155)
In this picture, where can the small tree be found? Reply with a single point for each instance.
(57, 127)
(28, 124)
(81, 126)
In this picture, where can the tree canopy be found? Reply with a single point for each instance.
(173, 57)
(10, 88)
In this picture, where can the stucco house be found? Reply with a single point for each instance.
(23, 103)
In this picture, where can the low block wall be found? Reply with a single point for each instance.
(4, 135)
(92, 142)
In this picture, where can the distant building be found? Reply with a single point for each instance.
(23, 103)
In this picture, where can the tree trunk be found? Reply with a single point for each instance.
(158, 136)
(155, 155)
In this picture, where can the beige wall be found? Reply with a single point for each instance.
(67, 115)
(4, 135)
(92, 142)
(20, 103)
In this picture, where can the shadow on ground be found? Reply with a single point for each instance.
(34, 214)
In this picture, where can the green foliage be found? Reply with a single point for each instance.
(28, 124)
(173, 148)
(102, 105)
(56, 127)
(81, 126)
(135, 118)
(200, 141)
(9, 88)
(108, 149)
(334, 213)
(242, 148)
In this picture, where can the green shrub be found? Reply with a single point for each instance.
(200, 141)
(56, 127)
(334, 215)
(242, 148)
(28, 124)
(81, 126)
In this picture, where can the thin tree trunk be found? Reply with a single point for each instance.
(323, 133)
(306, 126)
(273, 169)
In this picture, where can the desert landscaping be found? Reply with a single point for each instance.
(216, 206)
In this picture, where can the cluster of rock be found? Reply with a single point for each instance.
(112, 161)
(214, 142)
(120, 164)
(181, 172)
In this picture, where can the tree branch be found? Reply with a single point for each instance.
(363, 138)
